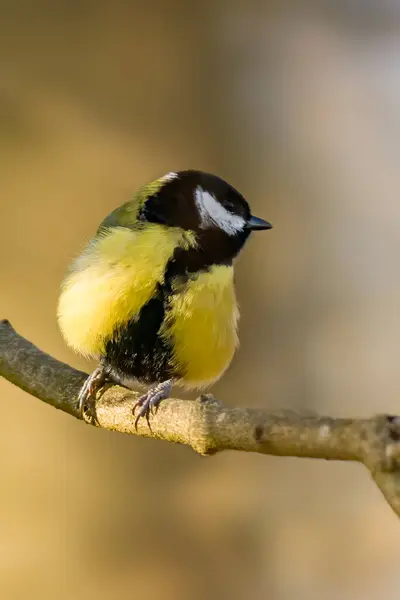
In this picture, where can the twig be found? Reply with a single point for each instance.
(207, 425)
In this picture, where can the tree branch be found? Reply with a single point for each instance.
(207, 425)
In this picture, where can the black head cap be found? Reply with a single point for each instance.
(199, 201)
(207, 205)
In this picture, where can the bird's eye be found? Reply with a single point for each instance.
(229, 205)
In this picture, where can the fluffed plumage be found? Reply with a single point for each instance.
(152, 296)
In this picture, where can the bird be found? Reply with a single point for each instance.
(152, 295)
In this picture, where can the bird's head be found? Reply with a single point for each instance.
(204, 204)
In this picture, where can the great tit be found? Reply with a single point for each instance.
(152, 296)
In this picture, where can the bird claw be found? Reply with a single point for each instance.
(88, 391)
(148, 403)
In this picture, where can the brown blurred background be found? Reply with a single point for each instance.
(296, 104)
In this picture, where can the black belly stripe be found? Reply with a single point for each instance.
(136, 349)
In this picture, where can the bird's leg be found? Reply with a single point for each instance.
(101, 375)
(152, 399)
(88, 392)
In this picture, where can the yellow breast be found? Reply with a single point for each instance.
(111, 281)
(202, 326)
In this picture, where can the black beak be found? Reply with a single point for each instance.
(255, 223)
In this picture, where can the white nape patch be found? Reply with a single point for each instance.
(213, 213)
(169, 176)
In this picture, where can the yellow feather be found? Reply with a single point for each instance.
(202, 326)
(118, 273)
(110, 282)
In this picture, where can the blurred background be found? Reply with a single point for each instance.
(298, 106)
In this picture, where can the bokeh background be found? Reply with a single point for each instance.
(298, 105)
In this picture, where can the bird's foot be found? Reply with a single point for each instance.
(88, 392)
(151, 399)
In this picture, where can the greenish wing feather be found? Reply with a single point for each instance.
(126, 215)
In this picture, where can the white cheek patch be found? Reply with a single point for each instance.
(212, 213)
